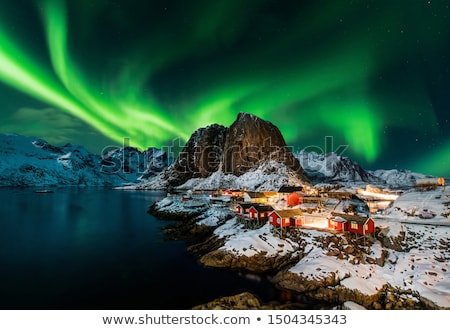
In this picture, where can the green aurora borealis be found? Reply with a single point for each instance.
(372, 74)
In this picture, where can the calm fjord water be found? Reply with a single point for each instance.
(99, 249)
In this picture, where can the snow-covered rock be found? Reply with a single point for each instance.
(427, 207)
(333, 266)
(250, 154)
(331, 167)
(398, 178)
(30, 161)
(269, 176)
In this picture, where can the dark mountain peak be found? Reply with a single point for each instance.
(248, 143)
(247, 116)
(252, 141)
(200, 157)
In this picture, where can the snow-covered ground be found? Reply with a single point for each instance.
(398, 178)
(421, 267)
(252, 242)
(425, 207)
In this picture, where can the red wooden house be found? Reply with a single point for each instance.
(285, 191)
(243, 208)
(286, 218)
(260, 212)
(357, 224)
(337, 223)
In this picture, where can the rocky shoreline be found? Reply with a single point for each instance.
(198, 224)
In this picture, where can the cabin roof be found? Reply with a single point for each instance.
(290, 189)
(270, 193)
(255, 194)
(263, 208)
(247, 205)
(339, 219)
(351, 217)
(342, 194)
(289, 213)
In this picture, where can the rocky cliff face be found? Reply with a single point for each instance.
(249, 143)
(252, 142)
(200, 157)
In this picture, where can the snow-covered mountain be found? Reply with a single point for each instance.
(250, 154)
(331, 167)
(398, 178)
(432, 205)
(133, 164)
(30, 161)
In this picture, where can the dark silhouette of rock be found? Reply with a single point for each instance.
(252, 141)
(247, 144)
(200, 157)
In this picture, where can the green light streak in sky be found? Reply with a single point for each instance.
(182, 65)
(434, 163)
(17, 70)
(289, 86)
(358, 122)
(126, 120)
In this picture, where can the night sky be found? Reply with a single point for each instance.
(374, 75)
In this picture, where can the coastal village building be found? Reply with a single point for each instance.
(271, 196)
(260, 212)
(357, 224)
(243, 208)
(233, 193)
(285, 191)
(286, 218)
(258, 215)
(254, 197)
(337, 223)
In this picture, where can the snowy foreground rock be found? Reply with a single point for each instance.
(406, 266)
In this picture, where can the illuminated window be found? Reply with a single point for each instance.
(354, 225)
(366, 227)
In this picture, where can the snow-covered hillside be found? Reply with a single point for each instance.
(29, 161)
(269, 176)
(408, 260)
(398, 178)
(426, 207)
(334, 168)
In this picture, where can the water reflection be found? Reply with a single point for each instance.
(99, 249)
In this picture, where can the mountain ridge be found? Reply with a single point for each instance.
(31, 161)
(251, 149)
(248, 145)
